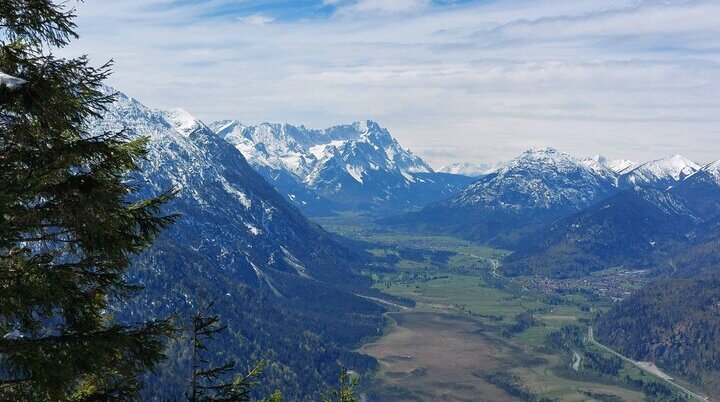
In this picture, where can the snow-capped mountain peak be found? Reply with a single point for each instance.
(541, 179)
(229, 212)
(365, 127)
(361, 161)
(182, 120)
(662, 173)
(224, 127)
(541, 158)
(600, 165)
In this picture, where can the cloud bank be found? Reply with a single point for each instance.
(480, 81)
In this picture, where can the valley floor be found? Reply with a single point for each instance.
(476, 336)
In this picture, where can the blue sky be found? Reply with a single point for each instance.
(453, 80)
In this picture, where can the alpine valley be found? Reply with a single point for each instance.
(526, 252)
(150, 255)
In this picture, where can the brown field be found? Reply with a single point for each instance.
(436, 357)
(441, 356)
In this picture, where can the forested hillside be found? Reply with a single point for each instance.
(675, 321)
(283, 286)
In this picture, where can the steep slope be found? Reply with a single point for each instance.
(661, 173)
(701, 191)
(281, 282)
(536, 187)
(357, 166)
(633, 228)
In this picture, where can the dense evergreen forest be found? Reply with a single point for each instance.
(304, 344)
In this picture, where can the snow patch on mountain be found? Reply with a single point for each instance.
(356, 173)
(182, 120)
(471, 169)
(242, 197)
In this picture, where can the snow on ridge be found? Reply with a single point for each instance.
(713, 169)
(621, 166)
(224, 127)
(312, 154)
(673, 168)
(182, 120)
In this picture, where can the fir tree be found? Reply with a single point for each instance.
(70, 221)
(208, 382)
(346, 392)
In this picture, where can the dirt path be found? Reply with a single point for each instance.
(647, 367)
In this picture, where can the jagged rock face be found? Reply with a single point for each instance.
(349, 166)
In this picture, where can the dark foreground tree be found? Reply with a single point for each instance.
(346, 391)
(209, 382)
(68, 227)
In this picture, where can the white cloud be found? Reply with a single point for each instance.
(382, 6)
(633, 79)
(256, 20)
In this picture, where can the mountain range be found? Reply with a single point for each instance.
(289, 291)
(280, 282)
(547, 206)
(358, 166)
(565, 216)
